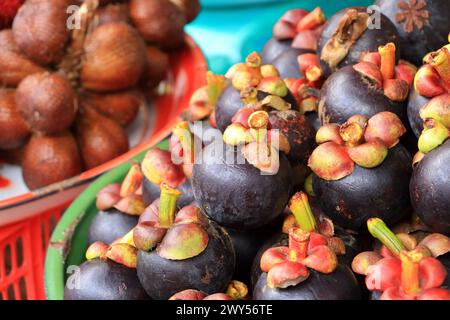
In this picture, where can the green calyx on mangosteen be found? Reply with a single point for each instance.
(431, 92)
(307, 267)
(404, 269)
(362, 170)
(120, 208)
(429, 187)
(181, 250)
(109, 274)
(302, 215)
(347, 35)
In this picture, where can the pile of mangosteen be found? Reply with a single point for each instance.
(318, 170)
(74, 75)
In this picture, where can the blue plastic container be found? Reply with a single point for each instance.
(228, 30)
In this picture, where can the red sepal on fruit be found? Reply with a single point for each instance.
(289, 266)
(380, 70)
(408, 271)
(360, 141)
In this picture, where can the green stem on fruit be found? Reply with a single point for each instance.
(380, 230)
(298, 244)
(300, 208)
(410, 281)
(167, 205)
(187, 141)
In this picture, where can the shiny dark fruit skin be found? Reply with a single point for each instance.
(415, 103)
(369, 41)
(236, 195)
(108, 226)
(339, 285)
(379, 192)
(151, 192)
(300, 134)
(210, 271)
(105, 280)
(287, 64)
(352, 248)
(346, 93)
(230, 102)
(313, 119)
(430, 37)
(445, 260)
(430, 189)
(274, 48)
(246, 245)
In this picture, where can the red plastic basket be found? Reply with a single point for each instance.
(22, 252)
(27, 221)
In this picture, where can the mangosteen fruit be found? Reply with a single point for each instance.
(109, 274)
(422, 25)
(429, 187)
(349, 34)
(310, 217)
(361, 170)
(296, 33)
(236, 194)
(181, 251)
(367, 88)
(431, 90)
(317, 287)
(306, 269)
(404, 269)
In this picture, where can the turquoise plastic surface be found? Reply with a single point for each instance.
(228, 30)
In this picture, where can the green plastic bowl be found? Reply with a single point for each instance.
(68, 243)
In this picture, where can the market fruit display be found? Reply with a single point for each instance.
(85, 82)
(288, 177)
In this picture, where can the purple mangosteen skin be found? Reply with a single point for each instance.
(346, 93)
(287, 64)
(210, 271)
(151, 192)
(369, 41)
(378, 192)
(230, 103)
(431, 36)
(339, 285)
(105, 280)
(415, 103)
(274, 48)
(430, 189)
(299, 132)
(236, 195)
(108, 226)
